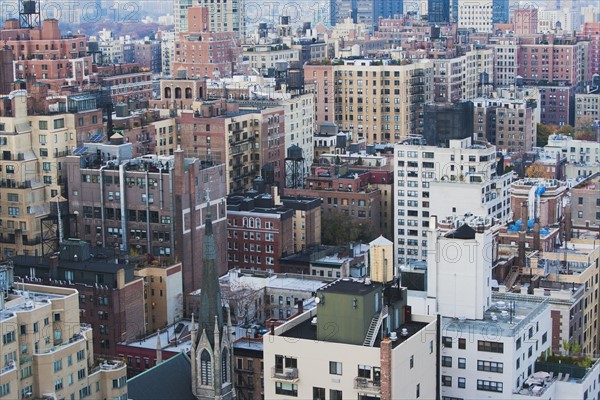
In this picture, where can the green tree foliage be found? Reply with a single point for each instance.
(543, 131)
(337, 228)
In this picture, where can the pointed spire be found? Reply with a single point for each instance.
(158, 348)
(211, 306)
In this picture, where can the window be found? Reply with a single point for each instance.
(462, 383)
(446, 361)
(490, 366)
(81, 355)
(446, 380)
(335, 367)
(491, 347)
(418, 391)
(364, 371)
(489, 386)
(205, 368)
(412, 362)
(59, 123)
(335, 394)
(447, 342)
(287, 389)
(544, 337)
(43, 126)
(57, 365)
(85, 392)
(462, 343)
(81, 374)
(4, 389)
(26, 372)
(58, 384)
(318, 393)
(462, 363)
(8, 337)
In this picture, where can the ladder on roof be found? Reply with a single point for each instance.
(374, 327)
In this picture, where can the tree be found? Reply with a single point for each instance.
(543, 132)
(566, 130)
(337, 228)
(537, 170)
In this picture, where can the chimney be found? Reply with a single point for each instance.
(536, 235)
(521, 249)
(568, 224)
(385, 358)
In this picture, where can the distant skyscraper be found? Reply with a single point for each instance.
(388, 8)
(225, 16)
(344, 9)
(439, 11)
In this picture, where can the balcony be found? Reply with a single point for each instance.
(285, 374)
(367, 385)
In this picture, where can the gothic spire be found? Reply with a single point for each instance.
(211, 308)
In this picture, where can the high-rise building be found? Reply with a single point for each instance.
(433, 181)
(439, 11)
(226, 16)
(180, 12)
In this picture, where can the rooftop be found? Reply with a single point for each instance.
(508, 314)
(351, 286)
(26, 301)
(306, 329)
(174, 338)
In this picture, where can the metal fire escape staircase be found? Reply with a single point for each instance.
(374, 327)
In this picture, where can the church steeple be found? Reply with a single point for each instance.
(212, 347)
(210, 294)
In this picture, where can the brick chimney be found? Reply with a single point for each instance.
(385, 358)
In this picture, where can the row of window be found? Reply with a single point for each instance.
(484, 385)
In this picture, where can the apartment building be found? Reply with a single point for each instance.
(422, 171)
(54, 59)
(379, 349)
(551, 59)
(36, 138)
(143, 206)
(226, 16)
(525, 21)
(127, 82)
(463, 77)
(481, 15)
(47, 352)
(557, 104)
(591, 30)
(264, 58)
(247, 140)
(505, 59)
(306, 221)
(379, 101)
(587, 108)
(111, 297)
(259, 232)
(584, 152)
(346, 191)
(585, 203)
(201, 51)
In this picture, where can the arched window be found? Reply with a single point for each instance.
(167, 93)
(205, 368)
(245, 222)
(188, 93)
(258, 222)
(225, 366)
(251, 223)
(177, 92)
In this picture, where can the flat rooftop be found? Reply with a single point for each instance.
(350, 286)
(175, 338)
(26, 301)
(508, 314)
(307, 330)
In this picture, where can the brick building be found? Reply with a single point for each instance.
(200, 52)
(54, 59)
(259, 231)
(147, 207)
(111, 298)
